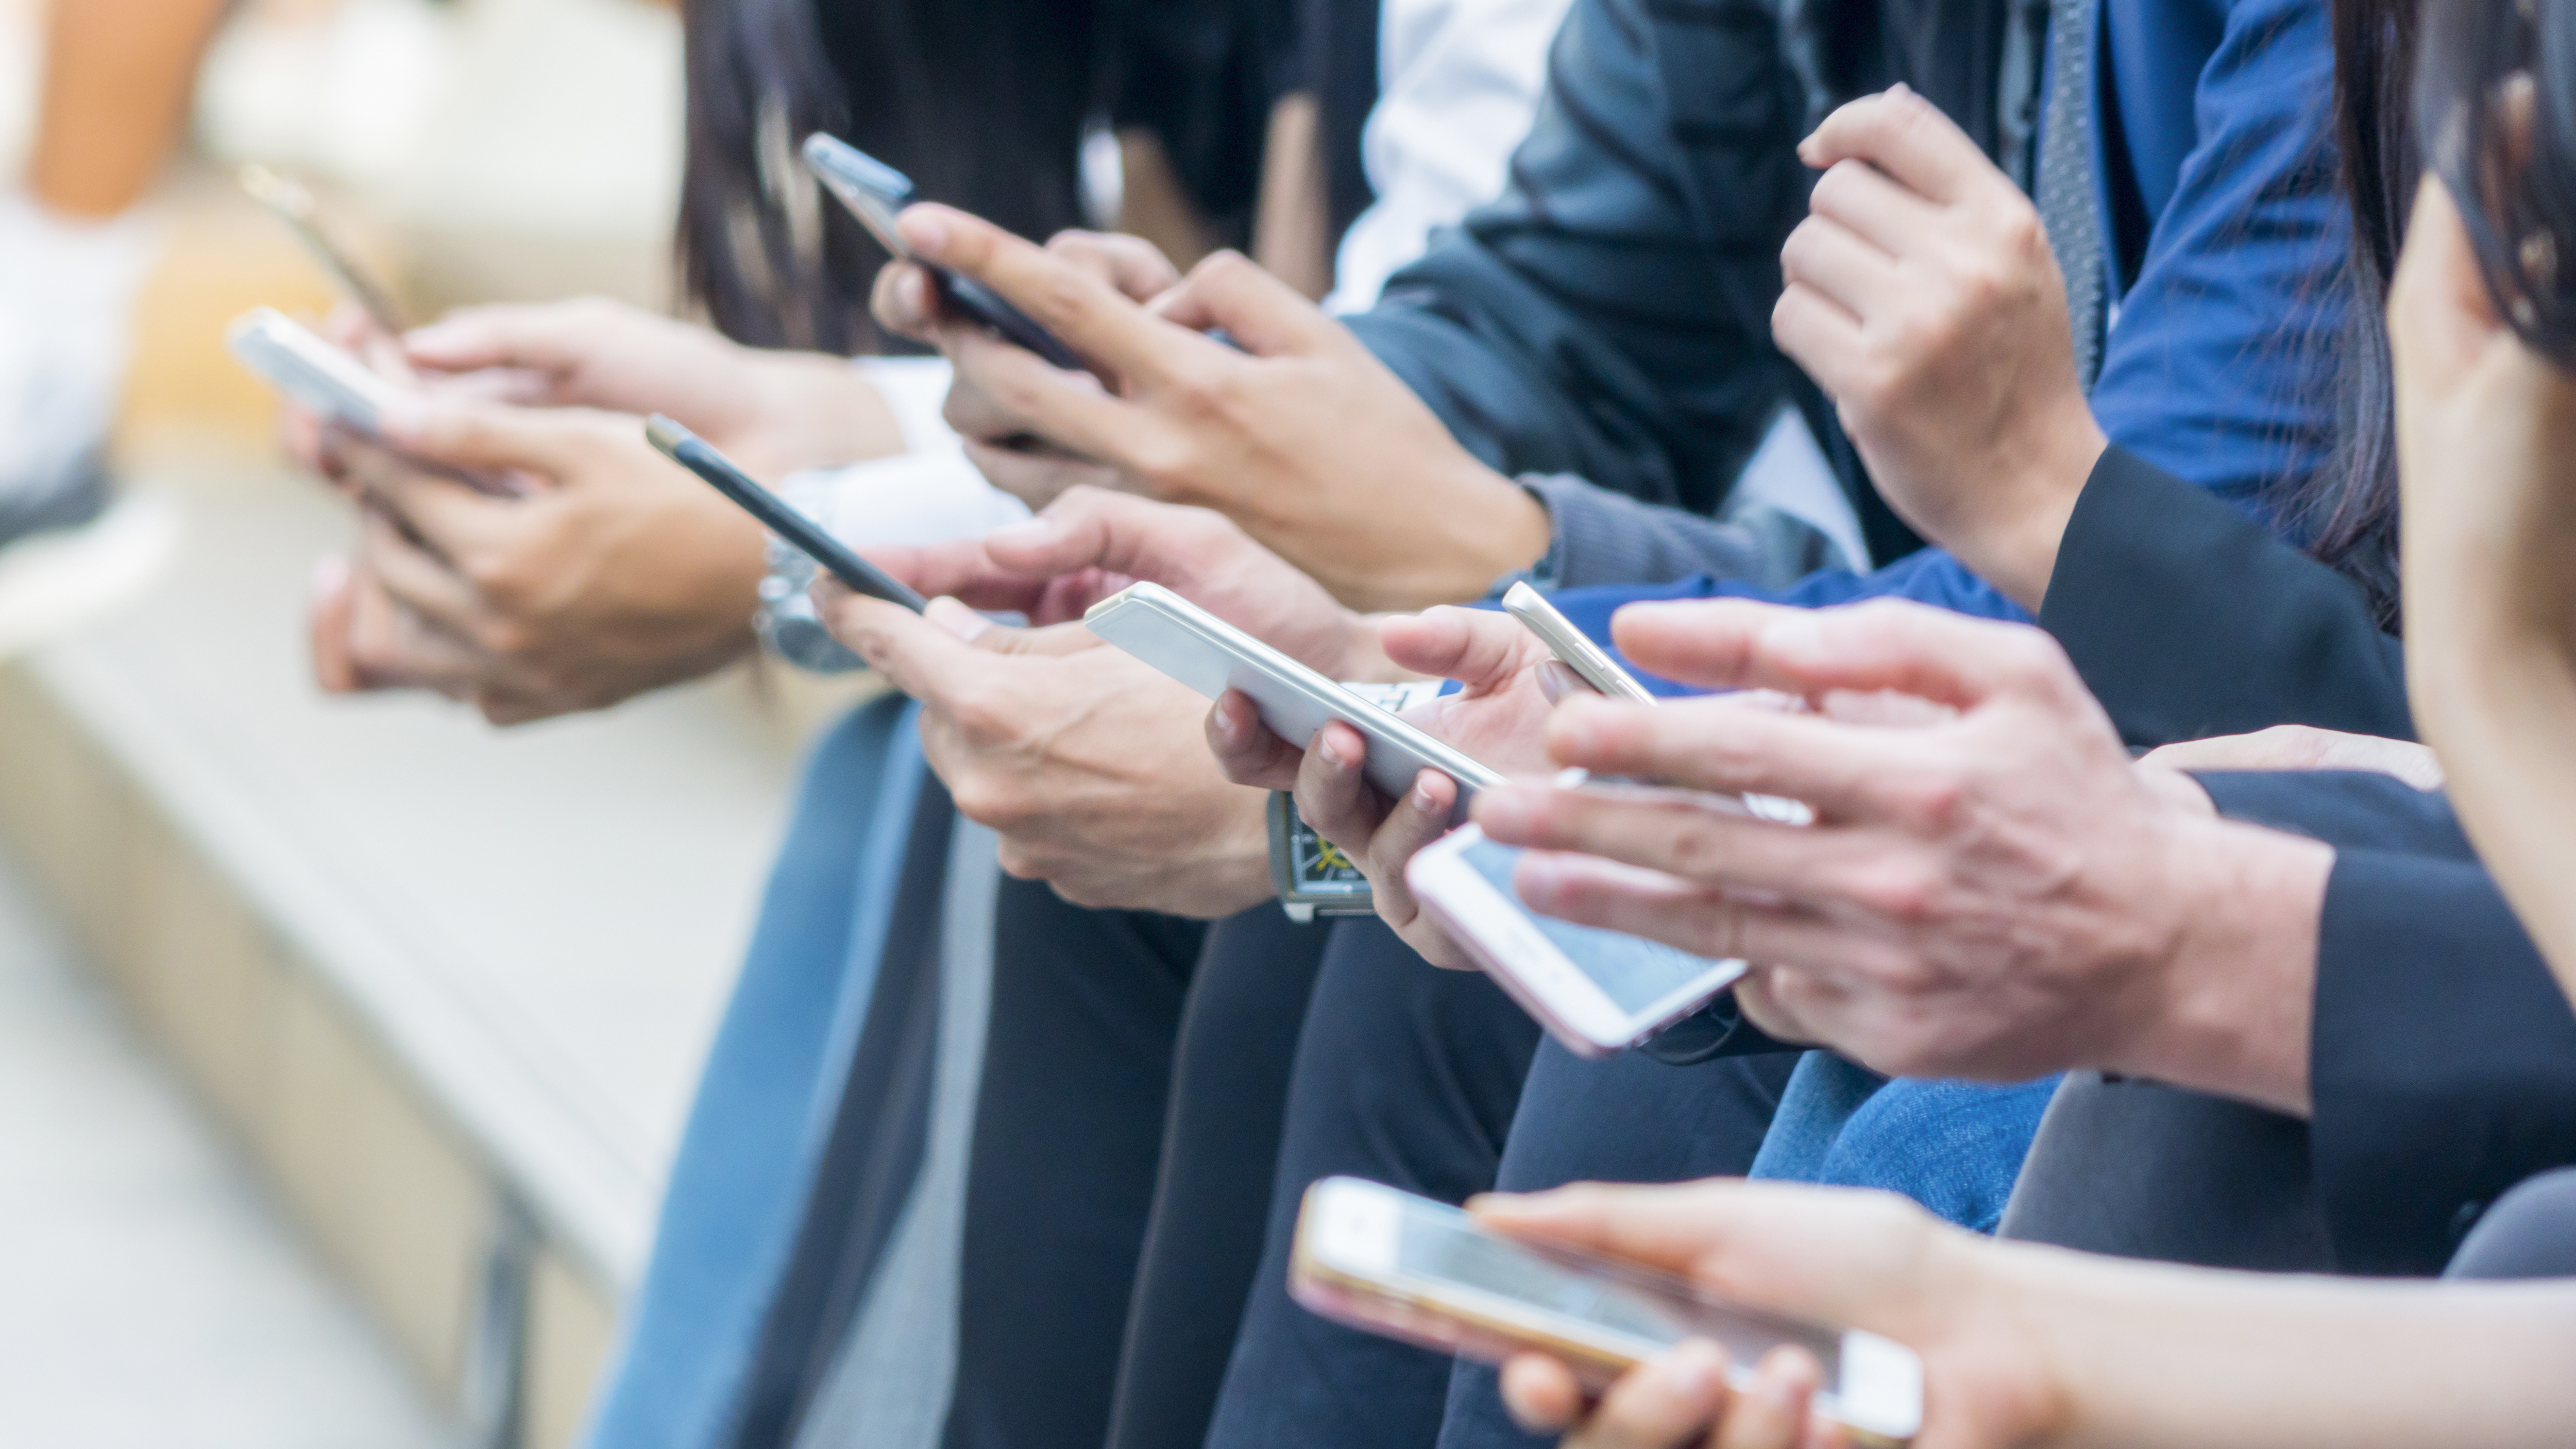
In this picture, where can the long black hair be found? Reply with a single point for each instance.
(2516, 188)
(982, 103)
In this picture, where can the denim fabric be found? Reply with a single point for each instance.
(1954, 1147)
(738, 1184)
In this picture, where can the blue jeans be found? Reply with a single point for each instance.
(738, 1185)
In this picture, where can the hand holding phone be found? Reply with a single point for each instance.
(1212, 656)
(1421, 1271)
(693, 453)
(332, 385)
(876, 194)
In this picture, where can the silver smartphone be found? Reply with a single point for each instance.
(1571, 646)
(332, 385)
(1422, 1271)
(1596, 991)
(1212, 656)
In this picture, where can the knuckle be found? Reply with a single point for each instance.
(1902, 892)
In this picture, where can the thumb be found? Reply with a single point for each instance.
(547, 339)
(1479, 648)
(1264, 315)
(472, 433)
(1119, 533)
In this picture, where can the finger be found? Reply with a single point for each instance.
(1704, 838)
(1824, 254)
(327, 608)
(392, 647)
(455, 520)
(1333, 793)
(421, 584)
(473, 433)
(1841, 771)
(1083, 310)
(1886, 644)
(1660, 1226)
(1671, 1400)
(552, 338)
(926, 659)
(961, 570)
(1094, 528)
(1773, 1414)
(1860, 197)
(1264, 315)
(1133, 265)
(1819, 334)
(1540, 1393)
(1067, 409)
(1244, 747)
(1421, 817)
(1479, 648)
(1905, 136)
(902, 302)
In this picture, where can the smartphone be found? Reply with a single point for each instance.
(1413, 1269)
(332, 385)
(694, 453)
(1571, 646)
(292, 204)
(1212, 656)
(876, 193)
(1595, 991)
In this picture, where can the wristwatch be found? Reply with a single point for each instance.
(1312, 874)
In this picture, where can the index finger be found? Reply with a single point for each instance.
(1844, 771)
(1089, 314)
(1885, 644)
(453, 518)
(1905, 136)
(916, 655)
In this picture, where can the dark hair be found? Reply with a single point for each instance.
(2516, 191)
(983, 104)
(2350, 509)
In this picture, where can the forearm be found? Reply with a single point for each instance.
(2153, 1355)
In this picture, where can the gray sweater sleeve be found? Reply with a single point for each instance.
(1600, 537)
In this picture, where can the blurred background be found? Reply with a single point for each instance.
(334, 1114)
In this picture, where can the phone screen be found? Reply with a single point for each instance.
(1453, 1249)
(1635, 973)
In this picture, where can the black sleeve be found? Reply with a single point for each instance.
(2343, 808)
(2442, 1060)
(2187, 619)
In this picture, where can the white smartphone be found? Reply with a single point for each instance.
(1424, 1272)
(331, 384)
(1571, 646)
(1212, 656)
(1595, 991)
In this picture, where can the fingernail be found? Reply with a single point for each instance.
(436, 337)
(400, 420)
(1422, 799)
(1900, 89)
(330, 575)
(1331, 751)
(956, 618)
(927, 231)
(1028, 532)
(1503, 812)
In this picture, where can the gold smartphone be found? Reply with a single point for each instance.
(291, 203)
(1422, 1271)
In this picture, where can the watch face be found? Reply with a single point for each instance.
(1318, 872)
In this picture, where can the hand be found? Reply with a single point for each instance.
(2303, 747)
(1303, 437)
(997, 440)
(772, 412)
(1870, 1261)
(1496, 717)
(1084, 758)
(619, 573)
(1089, 544)
(1989, 890)
(1923, 297)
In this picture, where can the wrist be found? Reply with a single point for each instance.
(2231, 996)
(2022, 556)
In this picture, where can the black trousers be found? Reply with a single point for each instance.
(1626, 1118)
(1405, 1074)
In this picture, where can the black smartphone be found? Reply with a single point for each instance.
(692, 452)
(875, 193)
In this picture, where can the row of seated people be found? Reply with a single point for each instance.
(2032, 392)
